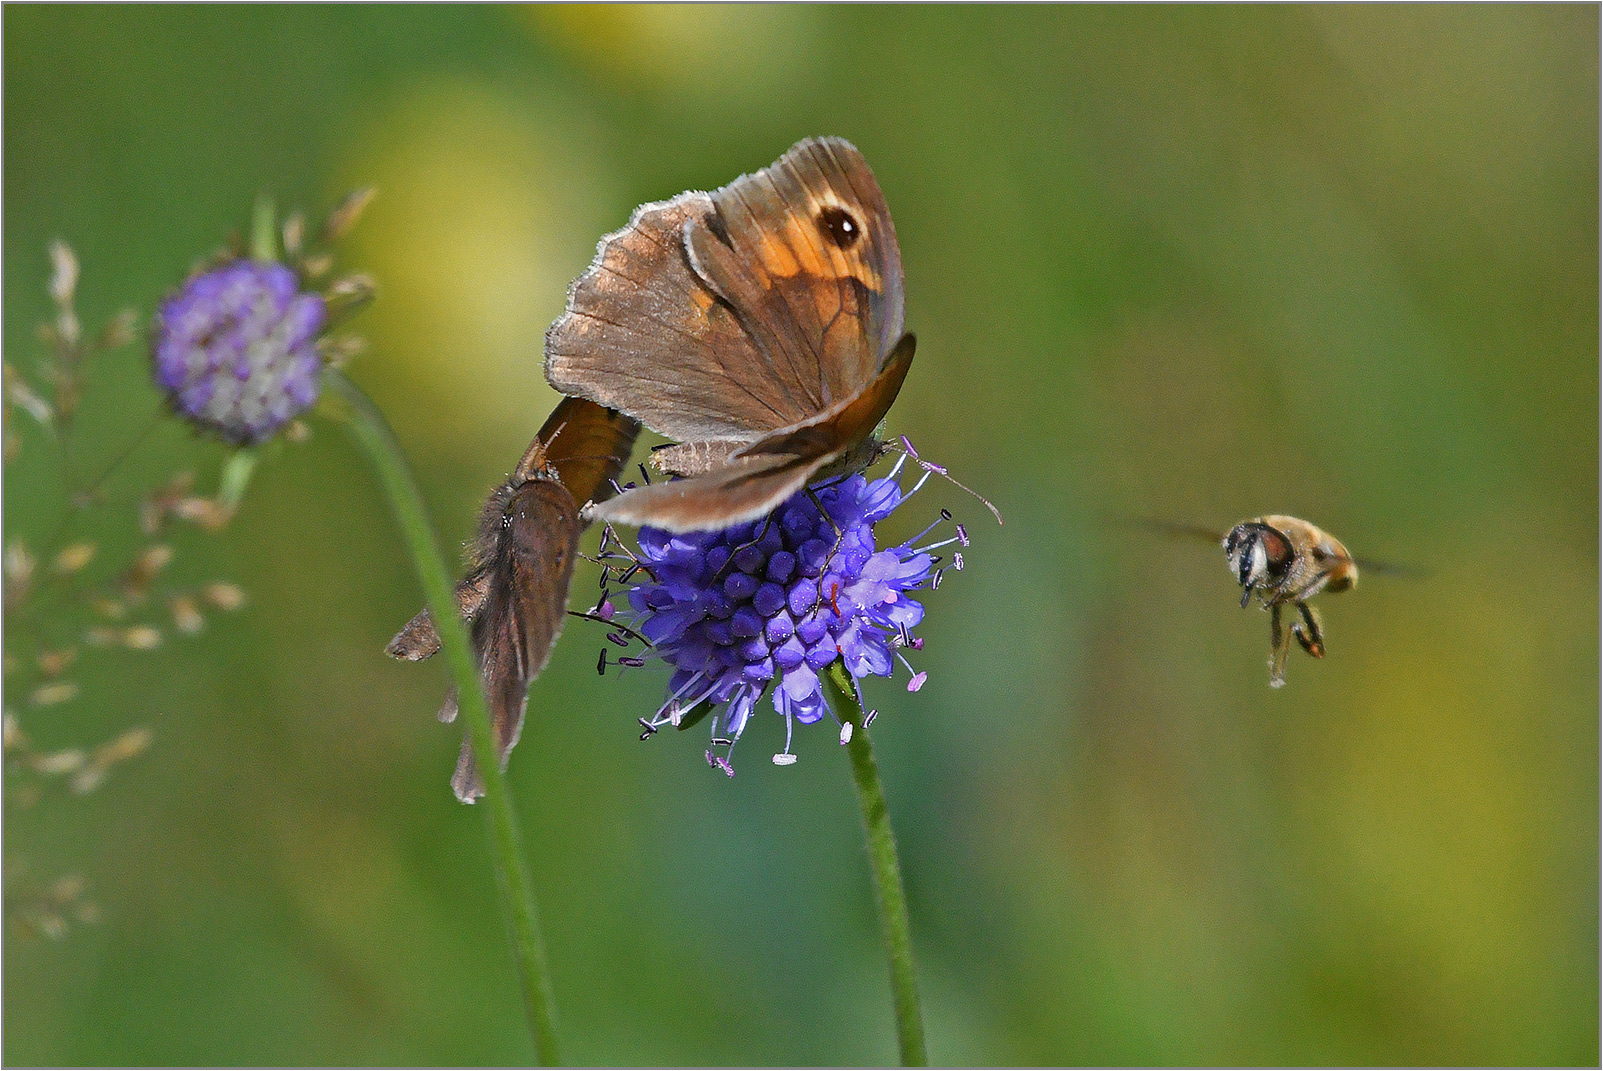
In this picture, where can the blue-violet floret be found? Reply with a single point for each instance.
(771, 603)
(236, 349)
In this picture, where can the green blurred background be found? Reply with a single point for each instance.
(1190, 263)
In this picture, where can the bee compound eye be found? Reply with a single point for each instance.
(1249, 557)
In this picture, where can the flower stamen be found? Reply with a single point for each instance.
(769, 605)
(940, 470)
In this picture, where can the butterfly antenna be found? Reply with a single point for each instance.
(906, 448)
(535, 459)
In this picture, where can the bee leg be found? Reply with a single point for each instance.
(1280, 646)
(1313, 637)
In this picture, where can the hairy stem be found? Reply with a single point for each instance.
(887, 870)
(373, 433)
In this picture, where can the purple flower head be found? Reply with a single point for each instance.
(236, 349)
(771, 604)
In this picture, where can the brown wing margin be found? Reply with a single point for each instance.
(761, 476)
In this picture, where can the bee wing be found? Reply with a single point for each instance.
(1179, 530)
(1203, 533)
(1391, 569)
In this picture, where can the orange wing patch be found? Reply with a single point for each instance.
(703, 299)
(778, 254)
(796, 251)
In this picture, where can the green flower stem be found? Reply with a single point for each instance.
(371, 430)
(236, 478)
(887, 871)
(263, 230)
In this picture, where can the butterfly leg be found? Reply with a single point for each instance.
(824, 513)
(1311, 637)
(840, 534)
(762, 533)
(608, 559)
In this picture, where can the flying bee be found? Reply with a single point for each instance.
(1287, 561)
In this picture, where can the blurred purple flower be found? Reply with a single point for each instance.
(775, 601)
(236, 349)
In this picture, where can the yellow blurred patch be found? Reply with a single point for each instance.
(486, 208)
(687, 47)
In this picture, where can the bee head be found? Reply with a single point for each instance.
(1258, 554)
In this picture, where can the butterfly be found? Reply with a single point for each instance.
(759, 326)
(515, 596)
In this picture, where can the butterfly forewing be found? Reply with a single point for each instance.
(772, 329)
(587, 445)
(805, 253)
(642, 333)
